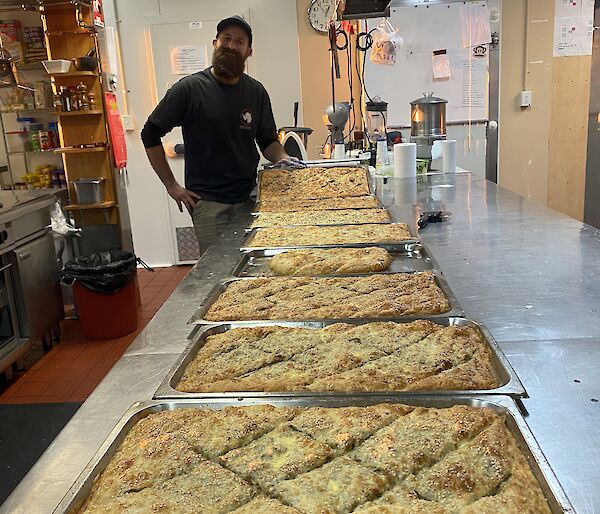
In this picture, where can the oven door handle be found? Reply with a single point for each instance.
(4, 268)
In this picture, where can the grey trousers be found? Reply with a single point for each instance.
(210, 219)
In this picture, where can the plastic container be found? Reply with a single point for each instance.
(57, 66)
(17, 141)
(89, 190)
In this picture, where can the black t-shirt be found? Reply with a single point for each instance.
(220, 124)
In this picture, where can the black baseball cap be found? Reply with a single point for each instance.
(235, 20)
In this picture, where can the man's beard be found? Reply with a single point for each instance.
(228, 63)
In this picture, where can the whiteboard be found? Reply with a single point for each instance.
(425, 29)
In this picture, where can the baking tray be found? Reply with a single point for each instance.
(407, 257)
(511, 385)
(256, 216)
(363, 167)
(514, 420)
(455, 309)
(250, 235)
(379, 205)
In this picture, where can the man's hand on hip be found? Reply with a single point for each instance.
(183, 196)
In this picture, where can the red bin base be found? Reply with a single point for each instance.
(106, 316)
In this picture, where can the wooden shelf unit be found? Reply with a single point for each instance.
(65, 39)
(87, 112)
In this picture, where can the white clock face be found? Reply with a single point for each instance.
(320, 14)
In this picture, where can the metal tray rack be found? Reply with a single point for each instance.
(407, 257)
(344, 165)
(510, 383)
(455, 309)
(551, 488)
(250, 235)
(379, 205)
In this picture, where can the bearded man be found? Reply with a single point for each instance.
(222, 113)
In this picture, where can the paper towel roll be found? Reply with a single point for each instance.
(339, 151)
(405, 160)
(449, 155)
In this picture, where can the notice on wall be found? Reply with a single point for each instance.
(474, 86)
(188, 59)
(441, 65)
(573, 27)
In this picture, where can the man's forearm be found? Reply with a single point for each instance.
(158, 160)
(275, 152)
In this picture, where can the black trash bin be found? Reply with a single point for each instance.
(105, 292)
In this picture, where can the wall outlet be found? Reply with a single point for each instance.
(128, 123)
(525, 99)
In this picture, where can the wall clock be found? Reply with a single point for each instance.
(320, 14)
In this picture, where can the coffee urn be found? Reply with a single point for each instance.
(428, 123)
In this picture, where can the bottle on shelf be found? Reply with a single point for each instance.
(74, 99)
(65, 99)
(92, 101)
(82, 97)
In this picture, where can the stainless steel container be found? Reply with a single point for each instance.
(428, 116)
(557, 500)
(89, 190)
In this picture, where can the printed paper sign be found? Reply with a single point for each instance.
(188, 59)
(573, 27)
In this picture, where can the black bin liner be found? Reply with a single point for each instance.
(104, 272)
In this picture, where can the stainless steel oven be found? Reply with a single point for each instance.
(31, 304)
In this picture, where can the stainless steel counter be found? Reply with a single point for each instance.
(530, 274)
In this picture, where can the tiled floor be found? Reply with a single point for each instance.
(71, 370)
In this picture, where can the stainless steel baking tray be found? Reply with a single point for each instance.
(255, 217)
(551, 488)
(341, 165)
(510, 383)
(379, 205)
(455, 309)
(246, 243)
(406, 257)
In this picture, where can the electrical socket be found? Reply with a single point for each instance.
(128, 123)
(525, 99)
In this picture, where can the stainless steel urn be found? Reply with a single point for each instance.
(428, 117)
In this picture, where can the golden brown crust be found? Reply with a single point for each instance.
(375, 296)
(369, 357)
(339, 217)
(276, 185)
(313, 235)
(381, 459)
(320, 204)
(330, 261)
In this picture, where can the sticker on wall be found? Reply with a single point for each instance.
(479, 51)
(98, 13)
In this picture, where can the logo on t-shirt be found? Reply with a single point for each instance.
(246, 117)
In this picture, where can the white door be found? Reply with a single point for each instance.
(169, 39)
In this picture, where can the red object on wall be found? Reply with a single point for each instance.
(98, 13)
(106, 316)
(117, 135)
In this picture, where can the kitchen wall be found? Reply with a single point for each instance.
(542, 153)
(315, 79)
(275, 64)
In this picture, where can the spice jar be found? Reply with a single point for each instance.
(82, 96)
